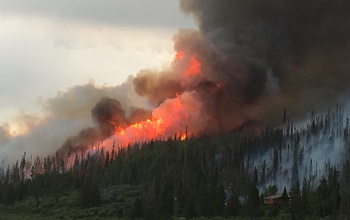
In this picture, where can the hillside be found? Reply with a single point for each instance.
(223, 175)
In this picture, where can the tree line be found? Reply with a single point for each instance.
(205, 176)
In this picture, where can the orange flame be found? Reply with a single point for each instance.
(183, 137)
(172, 116)
(179, 55)
(194, 67)
(168, 119)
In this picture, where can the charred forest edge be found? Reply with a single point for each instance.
(223, 175)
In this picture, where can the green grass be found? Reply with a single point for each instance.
(67, 207)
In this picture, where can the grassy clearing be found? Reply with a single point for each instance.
(67, 207)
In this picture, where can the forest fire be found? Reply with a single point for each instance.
(223, 76)
(194, 67)
(169, 119)
(178, 56)
(173, 115)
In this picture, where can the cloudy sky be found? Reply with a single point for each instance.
(49, 46)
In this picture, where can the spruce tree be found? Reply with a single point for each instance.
(295, 201)
(233, 206)
(305, 192)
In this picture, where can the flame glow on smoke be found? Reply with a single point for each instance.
(241, 67)
(173, 116)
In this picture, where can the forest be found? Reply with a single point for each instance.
(226, 176)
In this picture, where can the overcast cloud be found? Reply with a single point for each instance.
(114, 12)
(49, 46)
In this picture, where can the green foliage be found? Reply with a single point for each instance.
(136, 211)
(295, 201)
(89, 194)
(285, 196)
(203, 177)
(305, 193)
(10, 194)
(271, 190)
(252, 206)
(233, 206)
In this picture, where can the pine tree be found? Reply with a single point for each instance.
(233, 206)
(10, 194)
(263, 173)
(190, 206)
(285, 197)
(21, 191)
(89, 195)
(295, 201)
(166, 202)
(253, 202)
(305, 192)
(137, 211)
(323, 197)
(84, 194)
(107, 159)
(219, 201)
(203, 200)
(255, 177)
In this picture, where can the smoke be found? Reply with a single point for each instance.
(65, 124)
(139, 114)
(77, 101)
(246, 62)
(41, 140)
(109, 115)
(305, 43)
(80, 142)
(4, 133)
(156, 87)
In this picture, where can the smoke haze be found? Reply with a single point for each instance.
(66, 124)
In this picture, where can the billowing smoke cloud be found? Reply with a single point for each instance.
(77, 101)
(247, 62)
(139, 114)
(109, 115)
(305, 44)
(156, 87)
(66, 125)
(80, 142)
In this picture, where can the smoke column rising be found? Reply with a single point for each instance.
(247, 61)
(304, 43)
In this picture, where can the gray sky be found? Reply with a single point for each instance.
(49, 46)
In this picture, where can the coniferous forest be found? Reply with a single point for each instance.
(222, 176)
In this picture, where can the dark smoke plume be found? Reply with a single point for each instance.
(109, 115)
(156, 87)
(80, 142)
(257, 57)
(305, 44)
(139, 114)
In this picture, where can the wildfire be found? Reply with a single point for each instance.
(183, 137)
(194, 67)
(179, 55)
(190, 63)
(173, 115)
(169, 119)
